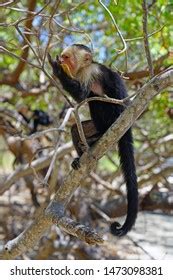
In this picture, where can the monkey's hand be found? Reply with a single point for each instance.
(58, 67)
(55, 65)
(65, 67)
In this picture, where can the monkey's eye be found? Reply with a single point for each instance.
(65, 56)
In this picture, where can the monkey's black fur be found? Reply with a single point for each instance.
(103, 116)
(80, 46)
(39, 117)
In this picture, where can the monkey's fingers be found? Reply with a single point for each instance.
(76, 163)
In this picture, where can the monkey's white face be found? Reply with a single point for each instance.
(75, 59)
(68, 57)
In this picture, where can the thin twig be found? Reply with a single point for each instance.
(139, 246)
(78, 122)
(40, 133)
(28, 42)
(99, 180)
(55, 7)
(101, 213)
(106, 99)
(67, 116)
(7, 3)
(51, 166)
(117, 28)
(146, 42)
(148, 35)
(20, 58)
(46, 178)
(81, 131)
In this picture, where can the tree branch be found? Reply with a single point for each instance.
(20, 67)
(146, 42)
(38, 164)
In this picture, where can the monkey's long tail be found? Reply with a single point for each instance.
(129, 171)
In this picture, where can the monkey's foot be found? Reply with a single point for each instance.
(76, 163)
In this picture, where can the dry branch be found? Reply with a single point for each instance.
(158, 67)
(26, 169)
(13, 77)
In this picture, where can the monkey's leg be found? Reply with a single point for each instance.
(91, 134)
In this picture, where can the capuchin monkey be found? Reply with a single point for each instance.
(83, 78)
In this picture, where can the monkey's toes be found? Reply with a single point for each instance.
(76, 164)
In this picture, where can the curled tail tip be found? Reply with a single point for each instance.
(117, 230)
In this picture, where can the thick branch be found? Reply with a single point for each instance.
(55, 210)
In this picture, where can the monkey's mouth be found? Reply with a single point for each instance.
(67, 70)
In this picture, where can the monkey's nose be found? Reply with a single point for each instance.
(61, 60)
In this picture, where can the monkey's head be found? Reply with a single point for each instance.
(74, 58)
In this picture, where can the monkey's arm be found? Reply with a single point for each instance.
(73, 87)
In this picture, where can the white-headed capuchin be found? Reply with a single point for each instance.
(83, 78)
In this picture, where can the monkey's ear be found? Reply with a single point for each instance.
(88, 57)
